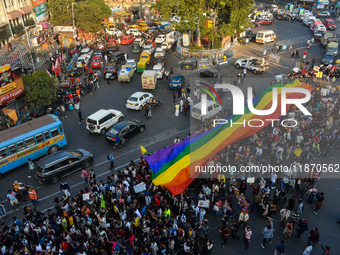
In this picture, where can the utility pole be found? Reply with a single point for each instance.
(73, 16)
(141, 9)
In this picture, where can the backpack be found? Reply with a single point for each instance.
(281, 247)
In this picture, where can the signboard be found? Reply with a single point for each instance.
(139, 187)
(324, 2)
(204, 203)
(41, 12)
(11, 85)
(186, 40)
(320, 6)
(70, 29)
(302, 11)
(38, 2)
(86, 196)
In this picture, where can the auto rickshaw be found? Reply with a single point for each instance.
(141, 66)
(154, 102)
(135, 48)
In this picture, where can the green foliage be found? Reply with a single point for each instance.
(29, 22)
(18, 30)
(4, 34)
(88, 14)
(195, 48)
(41, 89)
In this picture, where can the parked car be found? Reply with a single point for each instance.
(166, 45)
(149, 48)
(62, 163)
(150, 42)
(100, 121)
(100, 46)
(127, 40)
(111, 71)
(159, 69)
(211, 73)
(87, 52)
(159, 52)
(132, 62)
(111, 50)
(324, 14)
(125, 129)
(81, 59)
(328, 58)
(176, 82)
(140, 41)
(118, 58)
(133, 31)
(114, 32)
(330, 24)
(97, 53)
(137, 100)
(265, 22)
(111, 42)
(160, 38)
(97, 62)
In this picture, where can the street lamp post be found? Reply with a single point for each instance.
(30, 48)
(73, 16)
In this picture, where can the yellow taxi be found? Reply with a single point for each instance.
(145, 56)
(143, 27)
(156, 21)
(134, 26)
(111, 25)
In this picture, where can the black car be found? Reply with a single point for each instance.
(117, 57)
(188, 64)
(125, 129)
(212, 73)
(111, 71)
(160, 61)
(62, 163)
(111, 50)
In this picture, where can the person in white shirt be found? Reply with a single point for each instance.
(273, 180)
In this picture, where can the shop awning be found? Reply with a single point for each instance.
(14, 15)
(121, 13)
(26, 9)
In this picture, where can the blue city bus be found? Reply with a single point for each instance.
(30, 140)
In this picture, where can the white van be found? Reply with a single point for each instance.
(307, 19)
(265, 36)
(101, 121)
(212, 110)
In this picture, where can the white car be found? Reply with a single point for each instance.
(134, 32)
(137, 100)
(132, 62)
(176, 19)
(159, 52)
(87, 51)
(159, 69)
(148, 48)
(101, 121)
(166, 46)
(140, 41)
(82, 59)
(160, 38)
(114, 31)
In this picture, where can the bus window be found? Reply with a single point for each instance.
(30, 142)
(54, 132)
(61, 129)
(12, 149)
(39, 138)
(3, 153)
(47, 135)
(21, 146)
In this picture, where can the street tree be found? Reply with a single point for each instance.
(88, 14)
(40, 88)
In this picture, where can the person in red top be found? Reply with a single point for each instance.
(91, 71)
(72, 80)
(86, 68)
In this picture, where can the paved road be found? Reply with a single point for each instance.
(163, 127)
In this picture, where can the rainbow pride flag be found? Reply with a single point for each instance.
(174, 167)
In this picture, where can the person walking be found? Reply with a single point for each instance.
(314, 236)
(297, 55)
(11, 196)
(177, 110)
(268, 233)
(326, 249)
(171, 71)
(210, 245)
(33, 196)
(174, 96)
(111, 158)
(234, 229)
(301, 227)
(247, 237)
(80, 116)
(308, 249)
(292, 54)
(243, 218)
(224, 234)
(64, 187)
(320, 198)
(280, 248)
(62, 111)
(85, 175)
(31, 168)
(305, 54)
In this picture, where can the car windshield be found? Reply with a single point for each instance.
(333, 49)
(176, 80)
(130, 63)
(148, 43)
(328, 56)
(95, 60)
(133, 99)
(331, 23)
(196, 110)
(144, 56)
(76, 153)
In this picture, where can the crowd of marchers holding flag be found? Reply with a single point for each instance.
(112, 217)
